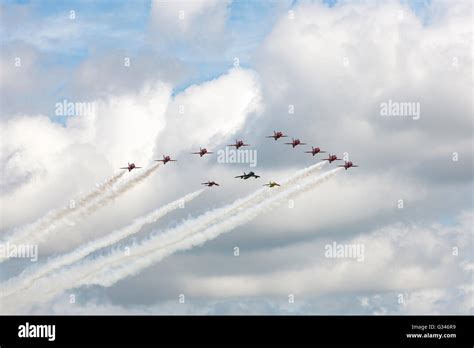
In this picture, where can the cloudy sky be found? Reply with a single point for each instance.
(168, 77)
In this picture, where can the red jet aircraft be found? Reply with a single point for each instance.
(210, 183)
(331, 158)
(295, 142)
(130, 167)
(347, 165)
(201, 152)
(238, 143)
(166, 159)
(277, 135)
(315, 150)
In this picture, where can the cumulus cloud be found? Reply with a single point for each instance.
(397, 259)
(41, 154)
(336, 68)
(192, 26)
(209, 113)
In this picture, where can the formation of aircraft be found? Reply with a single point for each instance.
(272, 184)
(202, 152)
(239, 143)
(249, 175)
(130, 167)
(277, 135)
(314, 150)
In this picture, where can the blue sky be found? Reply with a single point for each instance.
(123, 25)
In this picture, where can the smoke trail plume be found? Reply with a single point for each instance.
(27, 277)
(114, 266)
(85, 207)
(22, 234)
(116, 192)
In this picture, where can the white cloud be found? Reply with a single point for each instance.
(398, 259)
(346, 202)
(336, 65)
(125, 127)
(180, 15)
(209, 113)
(51, 159)
(198, 24)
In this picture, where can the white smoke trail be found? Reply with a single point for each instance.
(21, 234)
(115, 193)
(27, 277)
(157, 247)
(105, 194)
(110, 268)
